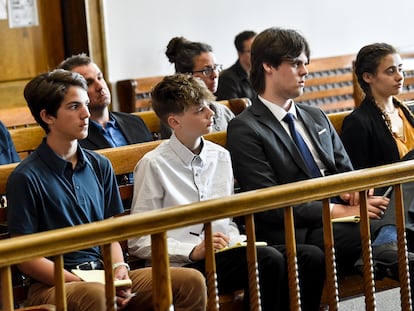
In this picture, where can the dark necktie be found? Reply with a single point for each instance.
(303, 148)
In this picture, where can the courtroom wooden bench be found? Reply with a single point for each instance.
(124, 161)
(16, 117)
(134, 94)
(133, 153)
(329, 84)
(349, 286)
(26, 139)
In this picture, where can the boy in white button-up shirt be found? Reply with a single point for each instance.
(186, 169)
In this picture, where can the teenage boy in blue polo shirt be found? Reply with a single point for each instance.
(60, 185)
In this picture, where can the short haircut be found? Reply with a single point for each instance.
(241, 37)
(273, 46)
(47, 91)
(181, 52)
(368, 60)
(75, 61)
(176, 93)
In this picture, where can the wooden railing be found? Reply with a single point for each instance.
(56, 242)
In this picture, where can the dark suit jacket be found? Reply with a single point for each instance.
(264, 155)
(133, 127)
(366, 137)
(234, 83)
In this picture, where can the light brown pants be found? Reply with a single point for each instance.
(188, 288)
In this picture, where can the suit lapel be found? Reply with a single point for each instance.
(266, 117)
(315, 131)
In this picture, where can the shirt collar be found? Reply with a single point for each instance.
(186, 155)
(55, 162)
(111, 122)
(278, 111)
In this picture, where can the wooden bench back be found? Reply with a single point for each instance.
(26, 139)
(329, 84)
(134, 94)
(408, 66)
(17, 117)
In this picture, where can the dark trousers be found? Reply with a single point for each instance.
(231, 269)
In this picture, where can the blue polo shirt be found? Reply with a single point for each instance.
(45, 193)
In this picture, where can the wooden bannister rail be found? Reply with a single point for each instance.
(57, 242)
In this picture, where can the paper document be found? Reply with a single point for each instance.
(347, 219)
(98, 276)
(239, 244)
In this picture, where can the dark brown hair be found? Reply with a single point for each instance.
(47, 91)
(176, 93)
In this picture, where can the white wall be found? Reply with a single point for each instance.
(138, 31)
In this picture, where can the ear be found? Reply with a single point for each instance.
(267, 67)
(367, 77)
(173, 121)
(47, 118)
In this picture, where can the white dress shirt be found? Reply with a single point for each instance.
(280, 113)
(172, 175)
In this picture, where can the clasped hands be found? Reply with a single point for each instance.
(377, 205)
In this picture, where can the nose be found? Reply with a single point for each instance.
(214, 74)
(400, 75)
(99, 84)
(85, 112)
(210, 111)
(304, 70)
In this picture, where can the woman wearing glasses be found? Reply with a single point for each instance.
(197, 59)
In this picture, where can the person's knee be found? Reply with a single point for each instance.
(311, 255)
(189, 289)
(270, 258)
(89, 296)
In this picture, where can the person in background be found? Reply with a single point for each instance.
(61, 185)
(234, 81)
(276, 141)
(381, 129)
(198, 59)
(8, 152)
(107, 129)
(186, 169)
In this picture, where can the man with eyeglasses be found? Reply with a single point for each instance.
(234, 81)
(198, 59)
(276, 141)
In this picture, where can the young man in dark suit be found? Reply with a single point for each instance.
(264, 152)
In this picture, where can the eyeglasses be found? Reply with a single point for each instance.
(208, 71)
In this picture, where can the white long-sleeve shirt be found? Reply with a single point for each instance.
(172, 175)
